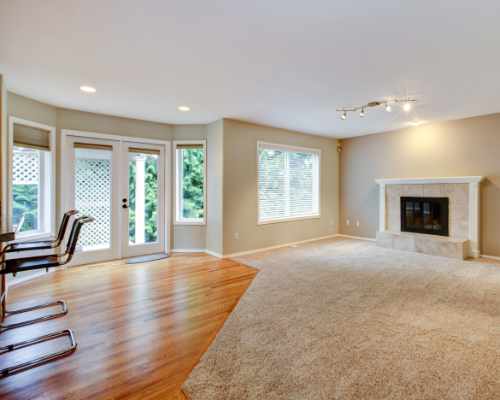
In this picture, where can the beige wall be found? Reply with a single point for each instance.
(455, 148)
(240, 188)
(231, 175)
(183, 237)
(215, 186)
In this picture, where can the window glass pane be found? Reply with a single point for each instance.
(93, 196)
(26, 189)
(143, 198)
(191, 183)
(301, 183)
(288, 183)
(272, 184)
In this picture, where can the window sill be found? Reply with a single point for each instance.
(289, 219)
(33, 236)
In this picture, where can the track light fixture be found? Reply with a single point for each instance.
(387, 104)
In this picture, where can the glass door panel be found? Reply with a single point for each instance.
(143, 197)
(93, 195)
(143, 213)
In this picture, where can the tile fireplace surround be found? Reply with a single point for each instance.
(463, 193)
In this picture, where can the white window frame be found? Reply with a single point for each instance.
(289, 148)
(47, 203)
(177, 170)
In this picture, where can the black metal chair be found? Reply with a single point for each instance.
(16, 249)
(43, 244)
(42, 262)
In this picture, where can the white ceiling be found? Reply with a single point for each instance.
(286, 63)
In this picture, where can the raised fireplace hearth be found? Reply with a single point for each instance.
(425, 215)
(438, 216)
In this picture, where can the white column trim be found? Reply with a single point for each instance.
(474, 198)
(382, 217)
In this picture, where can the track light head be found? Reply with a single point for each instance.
(343, 116)
(362, 112)
(407, 106)
(388, 107)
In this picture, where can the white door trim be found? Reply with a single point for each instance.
(137, 250)
(65, 162)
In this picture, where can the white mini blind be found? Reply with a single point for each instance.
(288, 182)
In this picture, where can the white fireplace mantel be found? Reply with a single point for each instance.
(472, 181)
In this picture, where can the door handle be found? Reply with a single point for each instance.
(124, 205)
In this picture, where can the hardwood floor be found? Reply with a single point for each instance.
(140, 328)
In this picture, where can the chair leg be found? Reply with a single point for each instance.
(64, 311)
(24, 366)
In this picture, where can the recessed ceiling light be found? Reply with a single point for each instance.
(184, 108)
(88, 89)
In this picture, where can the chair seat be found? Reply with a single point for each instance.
(29, 264)
(26, 246)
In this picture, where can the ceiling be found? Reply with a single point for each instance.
(285, 63)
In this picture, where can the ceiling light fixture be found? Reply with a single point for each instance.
(407, 107)
(184, 108)
(387, 104)
(88, 89)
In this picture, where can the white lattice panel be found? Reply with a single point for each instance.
(93, 198)
(26, 167)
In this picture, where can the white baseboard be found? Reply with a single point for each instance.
(279, 246)
(188, 250)
(491, 257)
(356, 237)
(213, 253)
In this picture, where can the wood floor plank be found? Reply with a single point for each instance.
(140, 328)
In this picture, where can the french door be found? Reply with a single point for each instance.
(121, 184)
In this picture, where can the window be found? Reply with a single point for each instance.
(190, 182)
(288, 183)
(31, 180)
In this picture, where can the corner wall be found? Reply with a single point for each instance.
(455, 148)
(215, 186)
(183, 237)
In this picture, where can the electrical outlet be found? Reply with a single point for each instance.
(348, 222)
(357, 223)
(236, 235)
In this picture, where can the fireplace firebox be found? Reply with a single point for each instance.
(425, 215)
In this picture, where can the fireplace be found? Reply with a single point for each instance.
(425, 215)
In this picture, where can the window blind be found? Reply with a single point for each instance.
(30, 137)
(288, 182)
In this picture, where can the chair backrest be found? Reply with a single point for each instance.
(74, 236)
(20, 224)
(64, 225)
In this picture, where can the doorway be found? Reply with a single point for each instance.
(121, 182)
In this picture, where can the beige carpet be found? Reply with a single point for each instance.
(344, 319)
